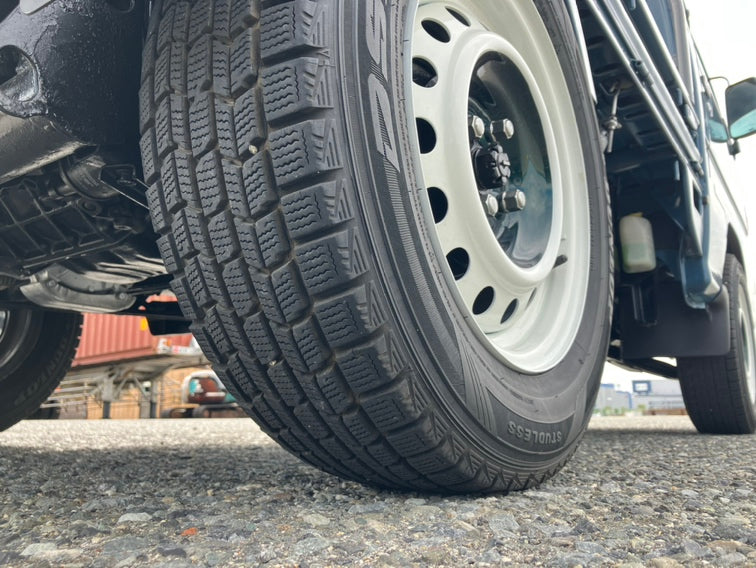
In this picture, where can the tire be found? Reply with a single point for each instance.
(287, 186)
(720, 392)
(52, 413)
(36, 350)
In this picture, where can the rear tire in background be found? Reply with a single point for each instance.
(720, 392)
(364, 302)
(36, 350)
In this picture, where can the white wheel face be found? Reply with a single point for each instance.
(749, 350)
(520, 275)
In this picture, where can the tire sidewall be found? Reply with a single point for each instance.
(50, 346)
(20, 334)
(537, 416)
(738, 282)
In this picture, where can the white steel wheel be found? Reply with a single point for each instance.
(501, 159)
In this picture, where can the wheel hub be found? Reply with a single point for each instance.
(491, 167)
(500, 156)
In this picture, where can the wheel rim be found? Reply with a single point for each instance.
(749, 351)
(520, 276)
(14, 332)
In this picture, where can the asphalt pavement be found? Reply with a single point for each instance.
(640, 492)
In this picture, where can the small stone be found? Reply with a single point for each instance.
(665, 562)
(540, 495)
(610, 487)
(730, 531)
(316, 520)
(639, 545)
(584, 526)
(213, 558)
(435, 556)
(503, 524)
(176, 551)
(491, 556)
(589, 547)
(574, 560)
(134, 518)
(266, 555)
(692, 548)
(732, 558)
(367, 509)
(128, 561)
(311, 545)
(726, 545)
(125, 545)
(415, 502)
(38, 549)
(424, 512)
(467, 528)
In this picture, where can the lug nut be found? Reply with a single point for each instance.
(477, 126)
(501, 130)
(514, 200)
(491, 205)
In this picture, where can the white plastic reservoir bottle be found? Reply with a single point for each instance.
(637, 238)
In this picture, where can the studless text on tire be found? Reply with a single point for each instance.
(720, 392)
(289, 176)
(36, 350)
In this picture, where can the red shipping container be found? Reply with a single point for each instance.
(108, 338)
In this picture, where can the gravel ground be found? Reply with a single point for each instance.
(641, 491)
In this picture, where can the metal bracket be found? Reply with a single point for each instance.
(59, 288)
(31, 6)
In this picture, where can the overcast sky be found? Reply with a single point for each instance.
(724, 31)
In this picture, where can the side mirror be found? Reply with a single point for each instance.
(741, 108)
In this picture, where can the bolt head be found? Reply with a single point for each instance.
(514, 200)
(477, 127)
(502, 129)
(491, 205)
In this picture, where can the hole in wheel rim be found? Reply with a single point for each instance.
(436, 31)
(510, 311)
(423, 73)
(459, 262)
(439, 204)
(484, 301)
(459, 17)
(426, 136)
